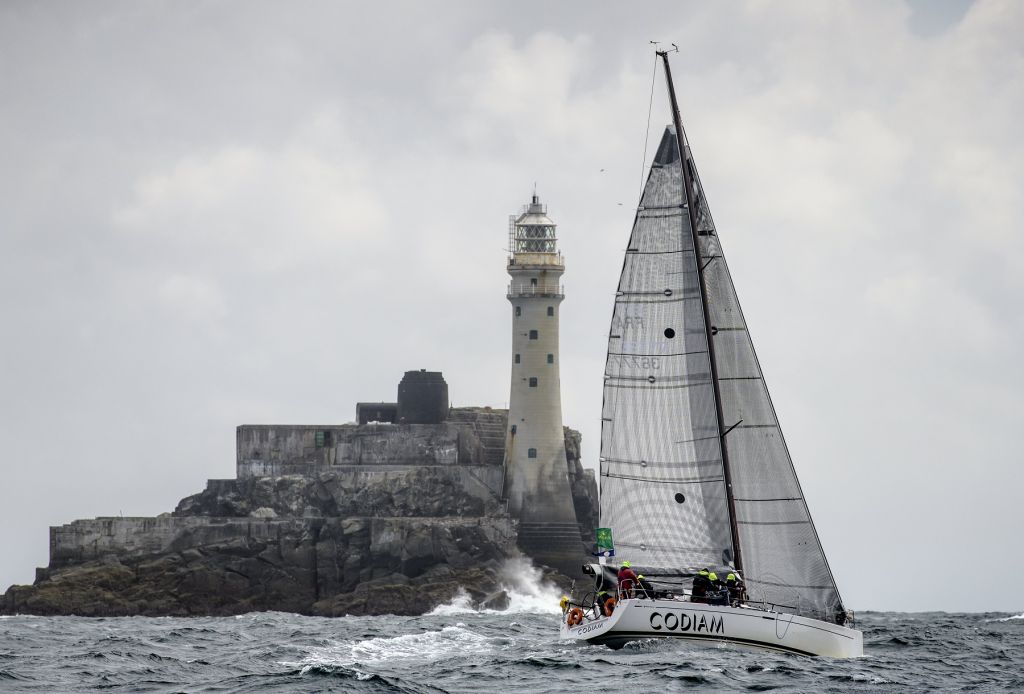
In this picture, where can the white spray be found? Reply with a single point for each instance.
(525, 586)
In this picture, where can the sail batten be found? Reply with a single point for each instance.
(649, 480)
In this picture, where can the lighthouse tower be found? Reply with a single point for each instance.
(536, 480)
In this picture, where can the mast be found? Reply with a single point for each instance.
(691, 209)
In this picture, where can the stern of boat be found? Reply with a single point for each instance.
(592, 630)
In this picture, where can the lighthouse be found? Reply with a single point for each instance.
(536, 480)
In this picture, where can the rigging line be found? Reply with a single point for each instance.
(647, 135)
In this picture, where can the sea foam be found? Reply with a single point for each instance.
(528, 593)
(366, 655)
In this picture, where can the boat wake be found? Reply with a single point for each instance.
(528, 593)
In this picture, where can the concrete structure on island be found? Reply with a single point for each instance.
(536, 480)
(422, 399)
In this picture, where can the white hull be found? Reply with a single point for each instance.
(635, 619)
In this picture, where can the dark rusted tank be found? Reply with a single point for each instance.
(422, 398)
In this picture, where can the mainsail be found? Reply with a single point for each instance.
(690, 464)
(663, 484)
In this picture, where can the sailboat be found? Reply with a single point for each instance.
(695, 473)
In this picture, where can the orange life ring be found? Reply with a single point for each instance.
(575, 617)
(608, 607)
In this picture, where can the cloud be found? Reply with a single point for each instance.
(194, 298)
(268, 209)
(922, 308)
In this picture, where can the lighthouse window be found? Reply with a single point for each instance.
(531, 453)
(517, 358)
(533, 381)
(519, 310)
(551, 310)
(551, 358)
(533, 334)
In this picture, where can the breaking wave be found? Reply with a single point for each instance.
(365, 659)
(426, 646)
(1016, 616)
(460, 604)
(523, 583)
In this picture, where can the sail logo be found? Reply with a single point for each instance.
(627, 322)
(683, 621)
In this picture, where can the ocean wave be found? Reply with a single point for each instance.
(337, 670)
(484, 653)
(460, 604)
(427, 646)
(361, 681)
(528, 593)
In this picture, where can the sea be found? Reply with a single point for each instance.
(456, 648)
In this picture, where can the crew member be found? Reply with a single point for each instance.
(644, 587)
(717, 595)
(701, 585)
(735, 587)
(627, 580)
(605, 588)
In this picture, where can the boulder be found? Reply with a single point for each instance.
(495, 601)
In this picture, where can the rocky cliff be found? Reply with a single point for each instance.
(583, 486)
(322, 566)
(321, 520)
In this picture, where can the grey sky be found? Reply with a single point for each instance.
(238, 212)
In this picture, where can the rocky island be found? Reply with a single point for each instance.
(413, 504)
(395, 514)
